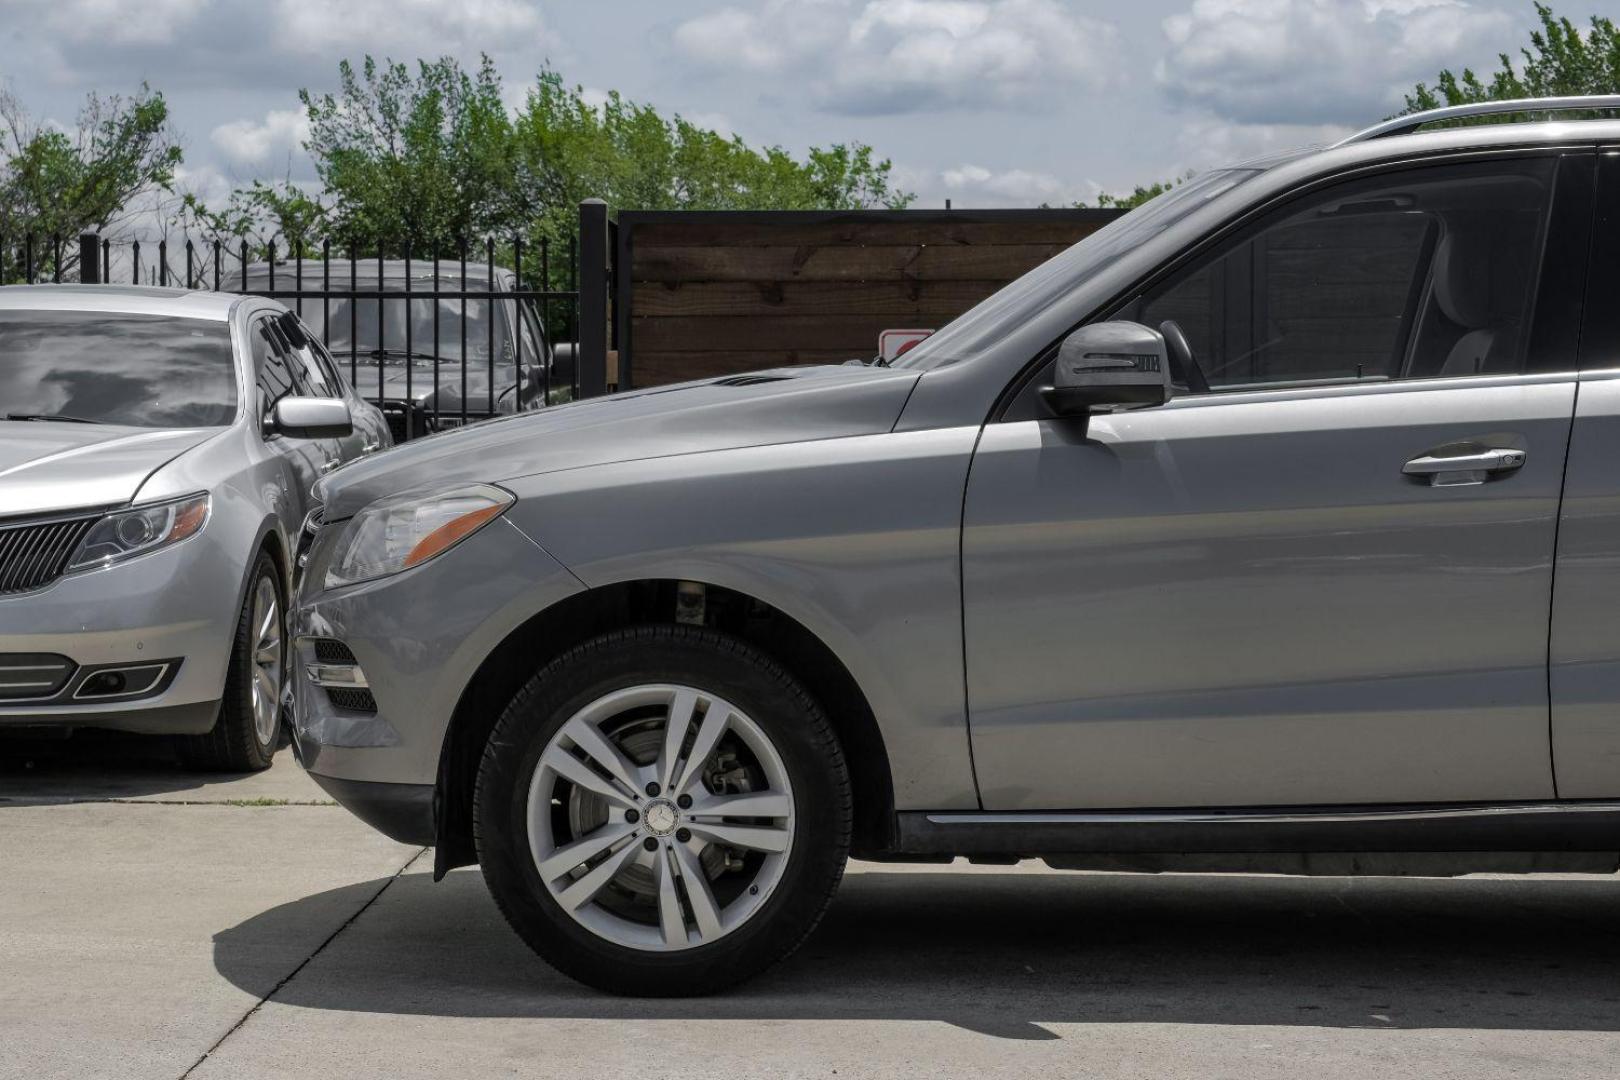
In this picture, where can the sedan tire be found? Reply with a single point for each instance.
(663, 811)
(248, 728)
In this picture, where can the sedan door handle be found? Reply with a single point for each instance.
(1451, 470)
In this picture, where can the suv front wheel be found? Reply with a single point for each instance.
(662, 811)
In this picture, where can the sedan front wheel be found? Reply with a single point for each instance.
(248, 727)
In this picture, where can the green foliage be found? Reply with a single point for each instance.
(424, 161)
(1560, 61)
(61, 183)
(430, 158)
(566, 150)
(283, 213)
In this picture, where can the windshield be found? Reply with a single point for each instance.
(1059, 275)
(354, 324)
(117, 368)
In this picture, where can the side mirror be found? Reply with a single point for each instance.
(311, 418)
(1109, 364)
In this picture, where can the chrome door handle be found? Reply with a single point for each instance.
(1456, 469)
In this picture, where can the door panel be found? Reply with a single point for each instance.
(1584, 654)
(1241, 600)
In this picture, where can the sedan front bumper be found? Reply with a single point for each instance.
(176, 606)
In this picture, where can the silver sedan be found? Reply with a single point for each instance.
(156, 455)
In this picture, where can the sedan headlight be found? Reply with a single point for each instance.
(128, 533)
(403, 531)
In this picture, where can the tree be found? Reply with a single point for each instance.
(56, 183)
(430, 158)
(423, 161)
(631, 156)
(1560, 61)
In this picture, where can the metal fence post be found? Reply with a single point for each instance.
(593, 287)
(89, 259)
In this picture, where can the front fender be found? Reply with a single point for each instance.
(858, 539)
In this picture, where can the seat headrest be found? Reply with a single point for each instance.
(1462, 280)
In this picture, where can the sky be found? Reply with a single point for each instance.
(983, 102)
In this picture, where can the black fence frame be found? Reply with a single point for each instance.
(597, 309)
(411, 425)
(581, 314)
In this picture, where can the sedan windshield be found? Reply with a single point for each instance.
(116, 368)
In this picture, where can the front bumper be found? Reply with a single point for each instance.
(419, 638)
(402, 812)
(177, 606)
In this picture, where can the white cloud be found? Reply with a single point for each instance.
(902, 56)
(1316, 61)
(121, 22)
(1210, 143)
(779, 35)
(429, 27)
(975, 185)
(262, 142)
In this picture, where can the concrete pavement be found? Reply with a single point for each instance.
(217, 939)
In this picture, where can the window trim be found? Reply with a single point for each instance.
(263, 323)
(1021, 389)
(1600, 325)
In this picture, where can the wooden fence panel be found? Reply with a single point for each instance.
(709, 294)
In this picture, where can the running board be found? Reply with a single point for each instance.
(1520, 827)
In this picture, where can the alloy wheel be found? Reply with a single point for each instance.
(268, 657)
(660, 817)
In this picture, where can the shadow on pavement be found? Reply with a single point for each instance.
(90, 765)
(1003, 954)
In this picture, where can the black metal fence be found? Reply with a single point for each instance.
(436, 339)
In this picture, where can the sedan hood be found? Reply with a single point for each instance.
(779, 406)
(49, 466)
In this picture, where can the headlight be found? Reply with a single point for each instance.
(403, 531)
(145, 528)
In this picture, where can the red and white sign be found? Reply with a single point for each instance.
(893, 344)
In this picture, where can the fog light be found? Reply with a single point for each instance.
(103, 683)
(128, 681)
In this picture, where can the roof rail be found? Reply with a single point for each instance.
(1405, 125)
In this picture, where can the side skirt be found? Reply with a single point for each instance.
(1446, 839)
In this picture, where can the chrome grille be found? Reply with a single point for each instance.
(33, 554)
(33, 675)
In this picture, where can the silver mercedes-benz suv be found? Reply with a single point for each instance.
(157, 448)
(1274, 527)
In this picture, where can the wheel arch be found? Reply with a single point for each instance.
(596, 611)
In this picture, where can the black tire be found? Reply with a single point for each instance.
(233, 744)
(791, 719)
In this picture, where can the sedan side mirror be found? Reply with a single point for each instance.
(311, 418)
(1109, 364)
